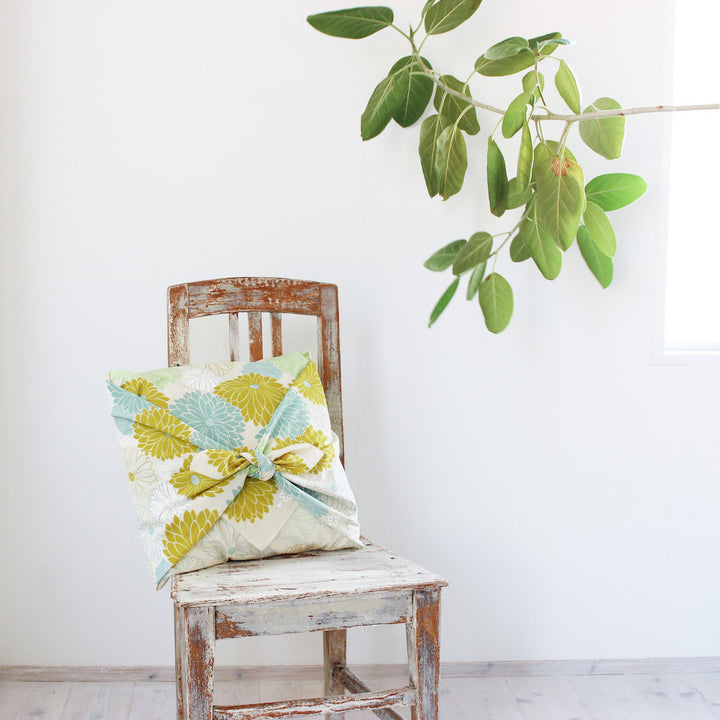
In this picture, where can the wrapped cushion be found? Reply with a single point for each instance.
(232, 461)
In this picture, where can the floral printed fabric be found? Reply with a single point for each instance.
(232, 461)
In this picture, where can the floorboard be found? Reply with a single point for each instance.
(651, 696)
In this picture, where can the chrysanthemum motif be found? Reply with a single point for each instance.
(225, 541)
(266, 367)
(212, 416)
(228, 462)
(253, 501)
(164, 376)
(289, 462)
(165, 502)
(190, 484)
(255, 395)
(291, 417)
(183, 533)
(312, 437)
(140, 470)
(162, 435)
(151, 537)
(199, 378)
(147, 391)
(309, 384)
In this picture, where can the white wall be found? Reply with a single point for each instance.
(565, 485)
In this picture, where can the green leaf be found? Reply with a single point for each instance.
(507, 48)
(517, 196)
(426, 7)
(525, 157)
(559, 192)
(354, 23)
(567, 87)
(456, 109)
(497, 179)
(418, 91)
(547, 44)
(450, 161)
(496, 300)
(600, 229)
(604, 135)
(515, 115)
(442, 303)
(430, 131)
(386, 100)
(505, 66)
(476, 251)
(476, 278)
(541, 245)
(519, 251)
(601, 266)
(534, 83)
(555, 37)
(448, 14)
(443, 258)
(615, 190)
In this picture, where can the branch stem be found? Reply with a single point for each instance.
(596, 115)
(622, 112)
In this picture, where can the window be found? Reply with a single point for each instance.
(692, 290)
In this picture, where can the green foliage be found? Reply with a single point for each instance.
(475, 252)
(548, 197)
(496, 301)
(448, 14)
(354, 23)
(497, 179)
(442, 303)
(600, 265)
(559, 192)
(445, 256)
(455, 109)
(604, 135)
(417, 93)
(450, 161)
(615, 190)
(567, 87)
(430, 131)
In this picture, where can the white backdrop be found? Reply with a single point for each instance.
(564, 485)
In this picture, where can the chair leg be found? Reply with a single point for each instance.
(423, 635)
(197, 649)
(178, 663)
(334, 653)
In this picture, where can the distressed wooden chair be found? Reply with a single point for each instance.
(328, 591)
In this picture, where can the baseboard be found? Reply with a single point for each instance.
(543, 668)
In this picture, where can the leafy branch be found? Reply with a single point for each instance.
(558, 207)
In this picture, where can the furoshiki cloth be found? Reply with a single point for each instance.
(232, 461)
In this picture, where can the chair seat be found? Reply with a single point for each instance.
(309, 576)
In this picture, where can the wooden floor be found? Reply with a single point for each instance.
(577, 697)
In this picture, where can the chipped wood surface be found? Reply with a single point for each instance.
(334, 657)
(423, 635)
(350, 681)
(313, 706)
(277, 296)
(312, 614)
(198, 658)
(328, 591)
(370, 569)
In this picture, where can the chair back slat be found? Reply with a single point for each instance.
(234, 322)
(254, 296)
(276, 328)
(255, 335)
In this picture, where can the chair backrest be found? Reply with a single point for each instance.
(254, 296)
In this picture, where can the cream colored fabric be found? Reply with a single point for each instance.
(232, 461)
